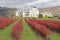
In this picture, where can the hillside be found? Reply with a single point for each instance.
(7, 11)
(54, 10)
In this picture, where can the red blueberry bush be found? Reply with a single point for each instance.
(16, 30)
(49, 23)
(4, 21)
(39, 27)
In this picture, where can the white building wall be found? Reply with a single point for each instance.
(17, 13)
(23, 14)
(33, 12)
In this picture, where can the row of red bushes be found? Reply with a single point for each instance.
(16, 30)
(41, 28)
(4, 21)
(50, 24)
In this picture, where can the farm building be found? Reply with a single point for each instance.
(33, 12)
(48, 14)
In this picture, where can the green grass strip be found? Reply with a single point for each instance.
(56, 19)
(5, 34)
(27, 33)
(54, 36)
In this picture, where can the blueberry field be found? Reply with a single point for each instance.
(17, 28)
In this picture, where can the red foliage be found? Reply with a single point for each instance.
(16, 30)
(49, 23)
(4, 21)
(39, 27)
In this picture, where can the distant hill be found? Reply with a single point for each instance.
(7, 11)
(54, 10)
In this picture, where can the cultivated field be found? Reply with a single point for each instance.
(12, 28)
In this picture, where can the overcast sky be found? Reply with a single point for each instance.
(23, 3)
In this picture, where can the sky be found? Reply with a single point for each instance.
(27, 3)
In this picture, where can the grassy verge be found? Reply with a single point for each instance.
(56, 19)
(5, 34)
(54, 36)
(27, 33)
